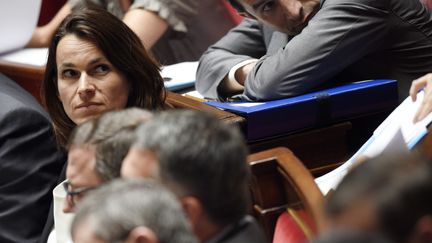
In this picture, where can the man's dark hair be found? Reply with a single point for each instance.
(237, 6)
(351, 236)
(203, 157)
(399, 188)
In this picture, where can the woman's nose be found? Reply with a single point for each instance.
(86, 88)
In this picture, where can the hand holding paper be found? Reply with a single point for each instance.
(426, 105)
(396, 134)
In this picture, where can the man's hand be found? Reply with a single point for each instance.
(241, 73)
(426, 106)
(233, 83)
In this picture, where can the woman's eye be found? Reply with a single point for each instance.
(69, 73)
(102, 68)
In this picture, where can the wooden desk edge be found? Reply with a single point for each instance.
(180, 101)
(22, 70)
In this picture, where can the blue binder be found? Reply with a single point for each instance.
(272, 118)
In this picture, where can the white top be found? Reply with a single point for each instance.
(62, 221)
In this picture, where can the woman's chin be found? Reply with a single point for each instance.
(82, 119)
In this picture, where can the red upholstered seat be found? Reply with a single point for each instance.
(294, 226)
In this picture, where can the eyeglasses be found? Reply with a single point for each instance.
(75, 193)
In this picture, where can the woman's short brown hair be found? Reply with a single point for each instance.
(121, 47)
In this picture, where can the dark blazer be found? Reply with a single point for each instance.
(30, 164)
(346, 41)
(246, 230)
(49, 224)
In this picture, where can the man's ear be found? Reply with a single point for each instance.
(193, 209)
(423, 230)
(141, 234)
(246, 15)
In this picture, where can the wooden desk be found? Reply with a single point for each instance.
(28, 76)
(320, 149)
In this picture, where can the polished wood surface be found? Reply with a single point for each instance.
(181, 102)
(317, 148)
(28, 76)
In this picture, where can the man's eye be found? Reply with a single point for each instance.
(268, 6)
(102, 68)
(69, 73)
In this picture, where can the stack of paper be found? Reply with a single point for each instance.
(18, 21)
(396, 134)
(180, 75)
(28, 56)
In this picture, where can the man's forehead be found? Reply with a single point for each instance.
(81, 156)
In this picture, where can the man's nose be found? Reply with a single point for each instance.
(68, 205)
(293, 9)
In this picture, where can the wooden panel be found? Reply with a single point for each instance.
(316, 148)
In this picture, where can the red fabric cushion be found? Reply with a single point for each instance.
(294, 226)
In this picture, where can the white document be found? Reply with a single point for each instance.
(180, 75)
(18, 21)
(29, 56)
(194, 94)
(396, 134)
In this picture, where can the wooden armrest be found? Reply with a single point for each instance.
(298, 177)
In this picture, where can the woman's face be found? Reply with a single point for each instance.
(88, 84)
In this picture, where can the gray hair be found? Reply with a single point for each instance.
(115, 209)
(200, 156)
(113, 134)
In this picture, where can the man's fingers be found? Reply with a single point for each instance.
(423, 111)
(417, 85)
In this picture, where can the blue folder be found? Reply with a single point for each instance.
(278, 117)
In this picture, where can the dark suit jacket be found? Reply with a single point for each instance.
(346, 41)
(246, 230)
(49, 224)
(30, 164)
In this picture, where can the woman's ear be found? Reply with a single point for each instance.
(141, 234)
